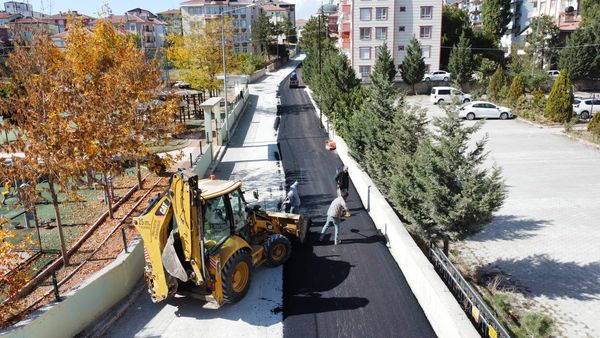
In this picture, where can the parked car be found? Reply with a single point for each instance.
(448, 94)
(554, 73)
(440, 75)
(478, 109)
(586, 108)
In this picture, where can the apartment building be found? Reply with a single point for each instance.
(23, 8)
(564, 12)
(196, 13)
(172, 18)
(143, 23)
(364, 25)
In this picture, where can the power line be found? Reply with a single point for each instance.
(545, 48)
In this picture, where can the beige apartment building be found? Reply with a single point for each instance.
(364, 25)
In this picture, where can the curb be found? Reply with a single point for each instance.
(580, 140)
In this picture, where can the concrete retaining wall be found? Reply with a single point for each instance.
(441, 308)
(82, 305)
(257, 75)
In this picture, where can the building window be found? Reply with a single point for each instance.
(400, 48)
(426, 51)
(364, 70)
(401, 29)
(425, 32)
(426, 12)
(365, 33)
(365, 14)
(402, 9)
(381, 13)
(377, 51)
(381, 33)
(245, 50)
(237, 49)
(132, 27)
(365, 53)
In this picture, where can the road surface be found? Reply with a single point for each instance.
(354, 289)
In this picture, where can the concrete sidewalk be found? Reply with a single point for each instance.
(250, 158)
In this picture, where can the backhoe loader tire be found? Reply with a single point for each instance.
(277, 249)
(236, 276)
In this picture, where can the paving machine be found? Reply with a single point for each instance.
(202, 239)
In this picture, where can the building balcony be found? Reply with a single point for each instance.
(346, 43)
(346, 9)
(345, 27)
(345, 35)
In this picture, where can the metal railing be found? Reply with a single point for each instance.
(486, 323)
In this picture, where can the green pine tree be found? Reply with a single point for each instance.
(496, 83)
(581, 55)
(516, 91)
(495, 16)
(446, 192)
(560, 101)
(385, 63)
(461, 63)
(413, 65)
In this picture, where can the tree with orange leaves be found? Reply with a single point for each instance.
(120, 88)
(12, 277)
(48, 136)
(198, 54)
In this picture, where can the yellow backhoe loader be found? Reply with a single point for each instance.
(202, 239)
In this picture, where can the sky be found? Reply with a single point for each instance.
(304, 8)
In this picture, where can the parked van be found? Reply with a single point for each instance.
(448, 94)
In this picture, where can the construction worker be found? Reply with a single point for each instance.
(291, 204)
(342, 181)
(334, 215)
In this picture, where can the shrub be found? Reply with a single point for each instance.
(534, 324)
(594, 126)
(496, 83)
(516, 91)
(560, 101)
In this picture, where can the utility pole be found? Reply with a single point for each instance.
(224, 74)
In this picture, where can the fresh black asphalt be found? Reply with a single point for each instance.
(354, 289)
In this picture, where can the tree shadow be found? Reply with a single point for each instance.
(509, 227)
(541, 275)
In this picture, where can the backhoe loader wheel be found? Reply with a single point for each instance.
(236, 275)
(278, 249)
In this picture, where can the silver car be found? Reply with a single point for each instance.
(440, 75)
(479, 109)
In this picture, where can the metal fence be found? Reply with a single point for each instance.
(486, 323)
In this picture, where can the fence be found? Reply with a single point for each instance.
(486, 323)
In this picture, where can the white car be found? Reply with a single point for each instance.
(554, 73)
(448, 94)
(440, 75)
(479, 109)
(586, 108)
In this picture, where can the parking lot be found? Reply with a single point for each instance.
(545, 237)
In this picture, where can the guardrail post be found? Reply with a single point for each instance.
(55, 287)
(124, 239)
(191, 160)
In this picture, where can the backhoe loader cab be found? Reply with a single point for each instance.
(202, 239)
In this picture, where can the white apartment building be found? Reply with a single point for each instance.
(197, 12)
(564, 12)
(366, 24)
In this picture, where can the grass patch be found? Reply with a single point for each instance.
(173, 144)
(585, 135)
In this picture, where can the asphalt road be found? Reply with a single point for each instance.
(354, 289)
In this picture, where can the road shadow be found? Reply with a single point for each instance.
(312, 278)
(541, 275)
(510, 227)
